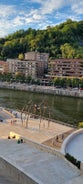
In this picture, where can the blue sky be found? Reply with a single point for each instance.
(37, 14)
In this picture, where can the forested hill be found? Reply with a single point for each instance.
(63, 40)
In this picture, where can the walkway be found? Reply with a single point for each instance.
(33, 132)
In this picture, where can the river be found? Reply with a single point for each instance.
(66, 109)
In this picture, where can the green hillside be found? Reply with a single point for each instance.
(63, 40)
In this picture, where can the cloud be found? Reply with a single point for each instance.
(48, 6)
(18, 21)
(6, 11)
(37, 14)
(78, 8)
(51, 5)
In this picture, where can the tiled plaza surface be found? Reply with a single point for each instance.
(36, 131)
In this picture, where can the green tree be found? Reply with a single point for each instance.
(21, 56)
(67, 51)
(19, 77)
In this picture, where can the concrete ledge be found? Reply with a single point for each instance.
(7, 112)
(66, 142)
(68, 139)
(81, 167)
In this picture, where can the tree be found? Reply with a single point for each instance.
(49, 40)
(67, 51)
(28, 79)
(19, 77)
(21, 56)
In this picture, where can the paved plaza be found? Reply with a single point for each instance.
(36, 131)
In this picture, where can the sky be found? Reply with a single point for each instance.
(37, 14)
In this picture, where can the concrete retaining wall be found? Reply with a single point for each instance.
(43, 89)
(68, 139)
(15, 172)
(81, 167)
(66, 142)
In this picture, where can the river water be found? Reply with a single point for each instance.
(66, 109)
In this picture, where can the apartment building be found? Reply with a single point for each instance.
(16, 66)
(33, 65)
(65, 67)
(37, 56)
(3, 67)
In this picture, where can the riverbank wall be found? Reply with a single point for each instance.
(43, 89)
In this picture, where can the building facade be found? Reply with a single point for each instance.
(37, 56)
(65, 67)
(3, 67)
(34, 64)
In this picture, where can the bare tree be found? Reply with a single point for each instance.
(28, 113)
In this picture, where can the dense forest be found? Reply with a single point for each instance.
(61, 41)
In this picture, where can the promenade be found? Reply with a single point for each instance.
(41, 167)
(44, 132)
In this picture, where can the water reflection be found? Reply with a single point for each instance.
(67, 109)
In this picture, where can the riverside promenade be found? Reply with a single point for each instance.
(44, 132)
(32, 162)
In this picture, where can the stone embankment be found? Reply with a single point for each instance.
(43, 89)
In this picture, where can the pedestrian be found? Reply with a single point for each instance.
(57, 138)
(11, 122)
(62, 136)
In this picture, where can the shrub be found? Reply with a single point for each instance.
(73, 160)
(80, 125)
